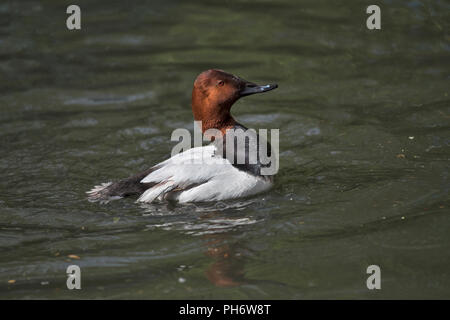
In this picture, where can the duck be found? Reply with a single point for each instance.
(214, 176)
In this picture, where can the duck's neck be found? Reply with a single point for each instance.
(211, 115)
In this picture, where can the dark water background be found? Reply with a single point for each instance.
(364, 146)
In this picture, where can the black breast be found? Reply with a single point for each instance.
(247, 146)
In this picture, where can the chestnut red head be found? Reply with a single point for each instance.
(214, 93)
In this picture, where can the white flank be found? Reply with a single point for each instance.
(198, 175)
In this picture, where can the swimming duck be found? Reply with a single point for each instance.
(214, 175)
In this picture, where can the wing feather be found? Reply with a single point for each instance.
(192, 167)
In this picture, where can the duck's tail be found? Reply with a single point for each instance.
(123, 188)
(100, 193)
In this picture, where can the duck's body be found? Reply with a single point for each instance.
(201, 173)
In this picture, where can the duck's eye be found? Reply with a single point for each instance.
(220, 83)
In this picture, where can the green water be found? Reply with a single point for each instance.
(364, 149)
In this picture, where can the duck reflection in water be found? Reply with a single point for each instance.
(216, 228)
(228, 267)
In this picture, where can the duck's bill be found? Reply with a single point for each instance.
(251, 88)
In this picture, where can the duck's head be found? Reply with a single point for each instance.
(214, 93)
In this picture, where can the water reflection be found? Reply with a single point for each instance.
(227, 269)
(363, 148)
(215, 226)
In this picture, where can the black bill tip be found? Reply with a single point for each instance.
(251, 88)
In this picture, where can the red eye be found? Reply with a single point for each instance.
(220, 83)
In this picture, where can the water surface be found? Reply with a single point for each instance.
(364, 149)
